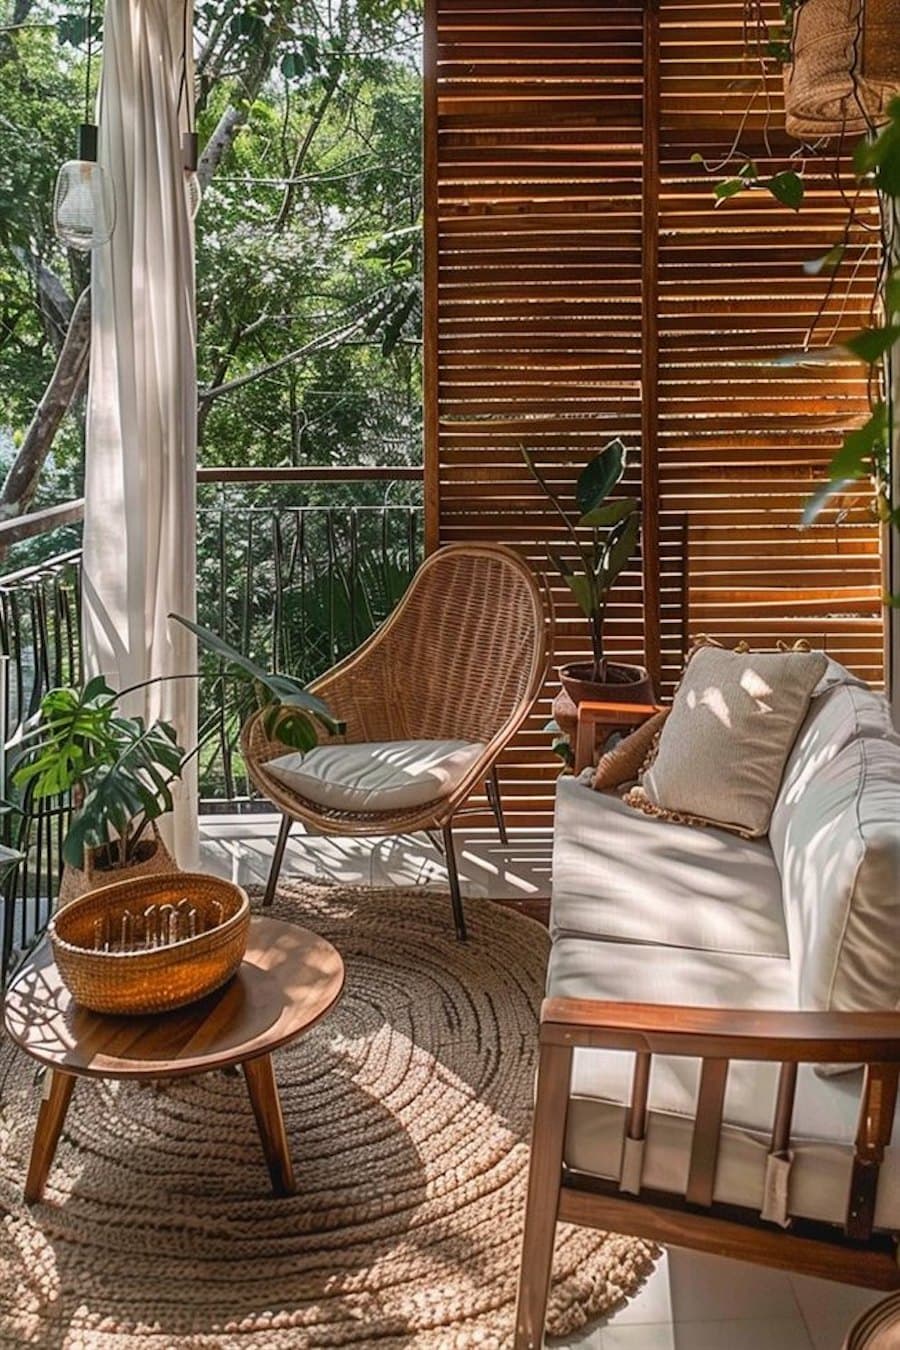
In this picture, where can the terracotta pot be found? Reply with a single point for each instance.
(624, 684)
(846, 67)
(76, 881)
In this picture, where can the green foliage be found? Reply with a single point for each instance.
(289, 709)
(120, 769)
(614, 527)
(308, 238)
(880, 157)
(865, 451)
(785, 187)
(598, 478)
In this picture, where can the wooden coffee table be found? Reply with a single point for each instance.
(288, 980)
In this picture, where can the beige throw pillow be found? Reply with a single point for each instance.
(724, 745)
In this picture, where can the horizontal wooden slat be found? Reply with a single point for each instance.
(539, 328)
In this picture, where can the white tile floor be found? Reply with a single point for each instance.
(690, 1302)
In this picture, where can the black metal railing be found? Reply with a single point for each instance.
(40, 641)
(297, 586)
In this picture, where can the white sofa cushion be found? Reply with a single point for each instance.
(619, 874)
(725, 742)
(840, 867)
(374, 776)
(825, 1113)
(843, 709)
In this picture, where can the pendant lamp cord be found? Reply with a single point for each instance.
(87, 78)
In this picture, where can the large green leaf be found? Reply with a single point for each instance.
(892, 296)
(862, 446)
(611, 513)
(584, 591)
(881, 156)
(787, 188)
(870, 344)
(136, 786)
(599, 477)
(729, 187)
(619, 549)
(284, 687)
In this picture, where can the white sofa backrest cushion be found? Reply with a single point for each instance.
(842, 710)
(840, 868)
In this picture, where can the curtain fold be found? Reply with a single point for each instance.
(140, 464)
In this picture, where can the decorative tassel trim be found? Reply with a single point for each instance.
(637, 798)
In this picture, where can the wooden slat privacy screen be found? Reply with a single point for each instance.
(581, 284)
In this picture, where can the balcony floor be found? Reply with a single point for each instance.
(691, 1302)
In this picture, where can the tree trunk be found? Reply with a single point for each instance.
(67, 379)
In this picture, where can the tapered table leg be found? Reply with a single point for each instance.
(51, 1118)
(263, 1090)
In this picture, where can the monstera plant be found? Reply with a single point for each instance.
(118, 769)
(602, 537)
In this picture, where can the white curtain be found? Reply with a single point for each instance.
(140, 469)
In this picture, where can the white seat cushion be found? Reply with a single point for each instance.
(377, 776)
(620, 874)
(825, 1114)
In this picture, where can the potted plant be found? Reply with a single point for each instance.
(119, 772)
(604, 534)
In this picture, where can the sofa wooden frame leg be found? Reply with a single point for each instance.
(284, 830)
(548, 1137)
(459, 917)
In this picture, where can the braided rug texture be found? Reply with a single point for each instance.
(407, 1109)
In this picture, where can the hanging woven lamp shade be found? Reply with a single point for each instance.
(845, 66)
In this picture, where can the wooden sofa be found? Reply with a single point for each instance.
(720, 1042)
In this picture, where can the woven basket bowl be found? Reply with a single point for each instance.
(166, 977)
(831, 39)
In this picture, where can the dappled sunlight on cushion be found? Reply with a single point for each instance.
(377, 775)
(758, 689)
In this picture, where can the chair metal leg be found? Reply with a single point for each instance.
(459, 917)
(493, 791)
(284, 830)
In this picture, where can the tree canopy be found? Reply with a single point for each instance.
(308, 235)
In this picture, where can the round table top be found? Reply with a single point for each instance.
(288, 979)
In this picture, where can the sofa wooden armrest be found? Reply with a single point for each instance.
(593, 715)
(855, 1252)
(661, 1029)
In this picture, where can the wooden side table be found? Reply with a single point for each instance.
(288, 980)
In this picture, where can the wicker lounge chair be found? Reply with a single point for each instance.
(458, 664)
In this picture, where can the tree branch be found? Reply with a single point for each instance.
(324, 340)
(304, 147)
(67, 379)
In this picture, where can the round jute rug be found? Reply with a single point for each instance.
(407, 1109)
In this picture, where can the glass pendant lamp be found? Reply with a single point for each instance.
(84, 202)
